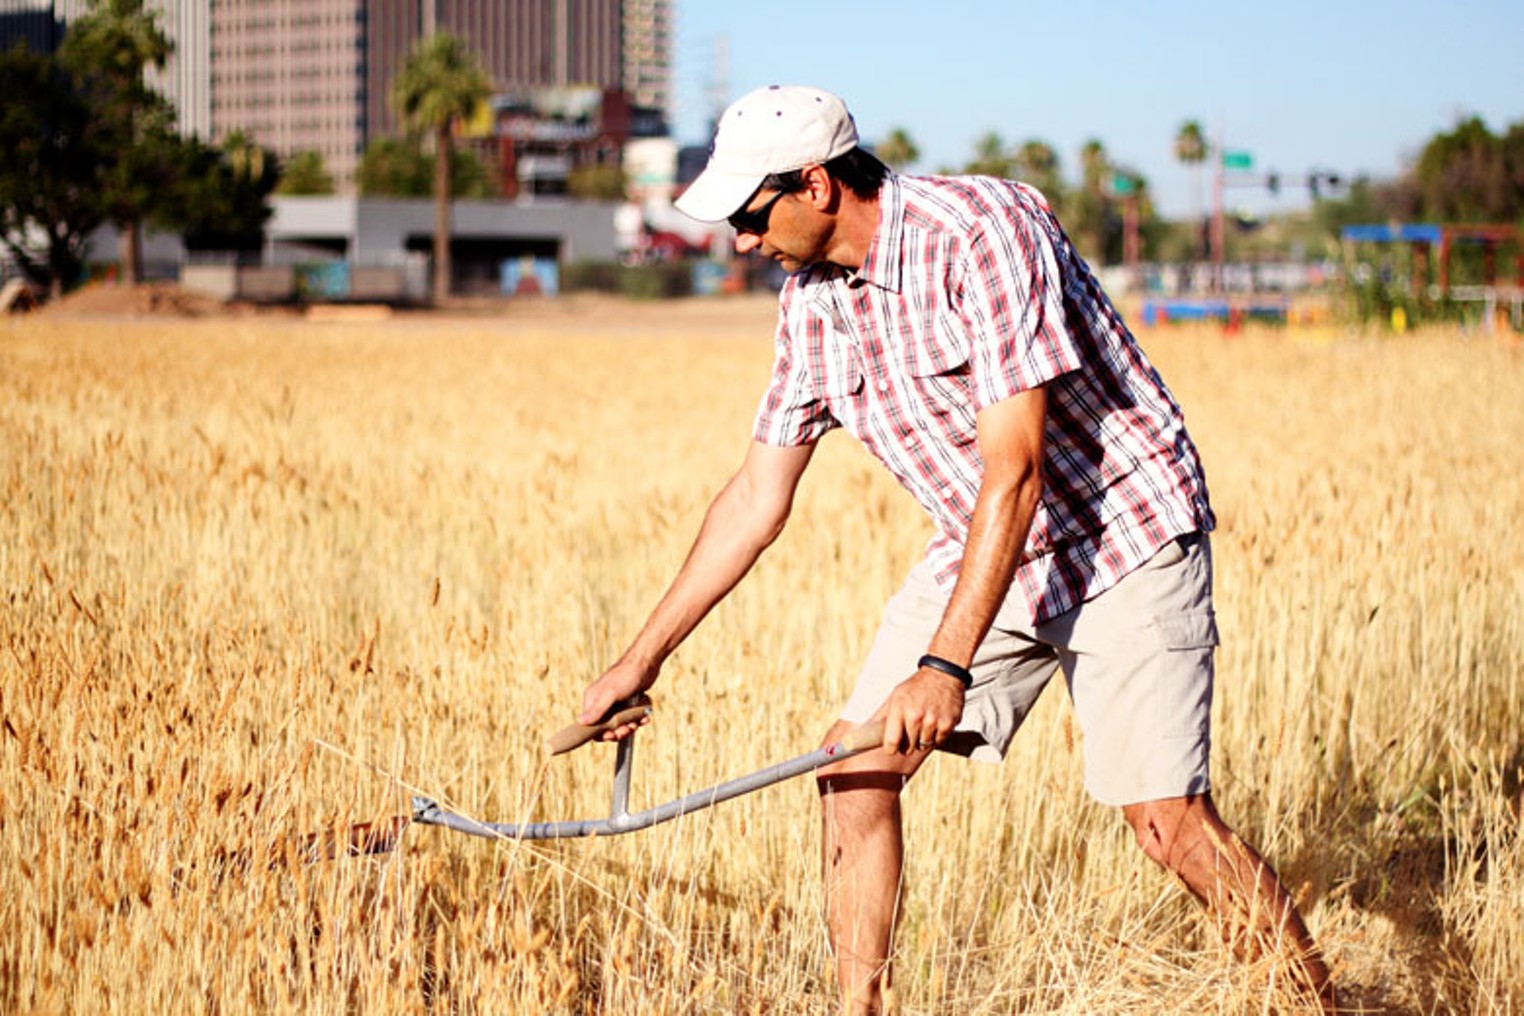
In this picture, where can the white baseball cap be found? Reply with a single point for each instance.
(772, 130)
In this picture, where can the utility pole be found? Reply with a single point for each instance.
(1218, 238)
(1124, 188)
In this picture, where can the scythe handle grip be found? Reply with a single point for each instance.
(576, 735)
(863, 737)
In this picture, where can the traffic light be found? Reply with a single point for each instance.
(1273, 182)
(1318, 179)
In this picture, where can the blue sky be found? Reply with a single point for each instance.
(1352, 86)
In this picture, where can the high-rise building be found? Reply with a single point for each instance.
(290, 75)
(186, 78)
(522, 44)
(317, 75)
(647, 53)
(38, 24)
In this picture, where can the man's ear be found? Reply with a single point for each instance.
(819, 189)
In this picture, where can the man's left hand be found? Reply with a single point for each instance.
(922, 711)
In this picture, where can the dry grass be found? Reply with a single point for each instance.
(267, 577)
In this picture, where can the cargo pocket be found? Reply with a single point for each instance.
(1183, 691)
(1169, 555)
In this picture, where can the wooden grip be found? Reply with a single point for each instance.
(576, 735)
(863, 737)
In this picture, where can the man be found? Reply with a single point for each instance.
(950, 326)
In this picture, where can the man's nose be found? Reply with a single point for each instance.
(747, 242)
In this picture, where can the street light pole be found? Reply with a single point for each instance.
(1218, 232)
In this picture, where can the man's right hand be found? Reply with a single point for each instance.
(620, 682)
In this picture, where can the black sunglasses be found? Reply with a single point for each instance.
(754, 220)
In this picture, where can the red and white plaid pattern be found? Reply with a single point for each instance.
(970, 292)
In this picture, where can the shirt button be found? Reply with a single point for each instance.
(883, 386)
(947, 492)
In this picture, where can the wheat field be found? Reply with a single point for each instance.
(264, 577)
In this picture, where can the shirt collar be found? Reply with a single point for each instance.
(882, 263)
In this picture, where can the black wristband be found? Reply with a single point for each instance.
(947, 667)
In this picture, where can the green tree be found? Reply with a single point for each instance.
(50, 164)
(400, 168)
(441, 84)
(1037, 164)
(1511, 146)
(1095, 166)
(108, 49)
(1464, 176)
(991, 158)
(305, 174)
(897, 149)
(394, 168)
(222, 194)
(1191, 149)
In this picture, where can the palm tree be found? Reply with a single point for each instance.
(1095, 164)
(1090, 207)
(1191, 149)
(991, 158)
(442, 82)
(1037, 164)
(898, 150)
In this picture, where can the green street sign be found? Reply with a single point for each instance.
(1237, 160)
(1122, 185)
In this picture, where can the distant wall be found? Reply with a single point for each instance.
(235, 282)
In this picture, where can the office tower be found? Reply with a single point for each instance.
(317, 75)
(291, 75)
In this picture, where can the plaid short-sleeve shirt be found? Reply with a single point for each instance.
(969, 293)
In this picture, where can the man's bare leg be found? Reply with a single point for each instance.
(1239, 888)
(863, 854)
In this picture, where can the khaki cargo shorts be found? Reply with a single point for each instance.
(1137, 660)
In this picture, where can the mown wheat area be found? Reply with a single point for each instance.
(263, 578)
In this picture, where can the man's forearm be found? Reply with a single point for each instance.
(731, 539)
(1011, 442)
(996, 537)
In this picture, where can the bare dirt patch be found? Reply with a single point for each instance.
(149, 299)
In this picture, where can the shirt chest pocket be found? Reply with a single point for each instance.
(838, 380)
(936, 362)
